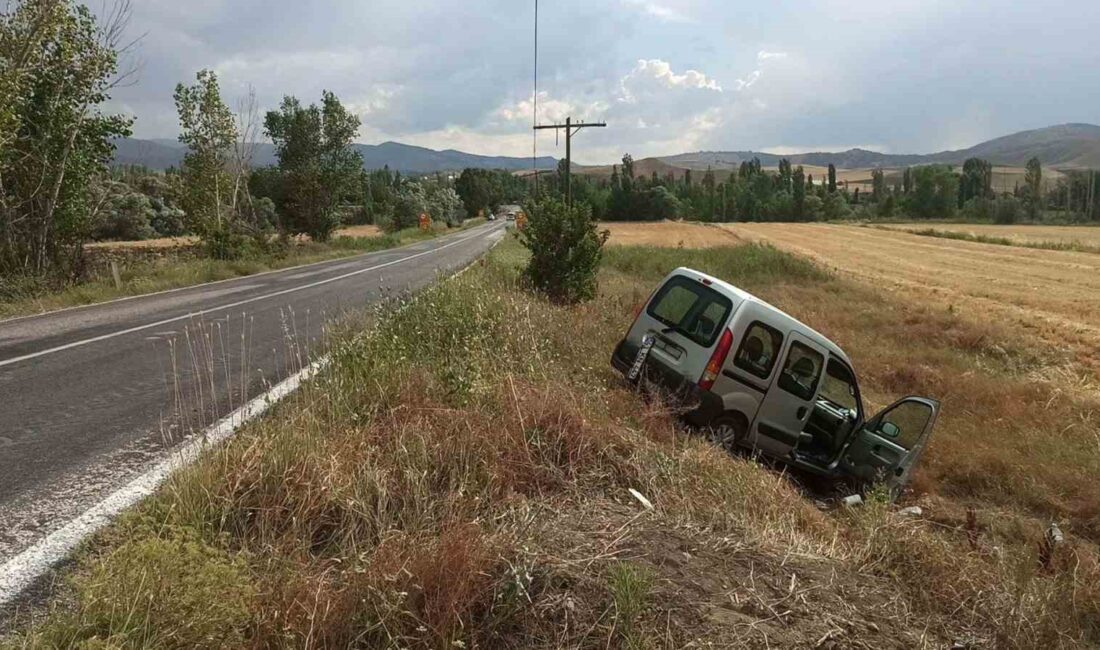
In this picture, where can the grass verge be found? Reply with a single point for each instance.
(171, 272)
(459, 477)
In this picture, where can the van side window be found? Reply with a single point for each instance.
(802, 371)
(691, 309)
(759, 350)
(905, 423)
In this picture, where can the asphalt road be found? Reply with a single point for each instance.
(90, 397)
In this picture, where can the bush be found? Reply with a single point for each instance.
(979, 209)
(1006, 209)
(127, 218)
(566, 249)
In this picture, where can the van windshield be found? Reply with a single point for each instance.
(692, 309)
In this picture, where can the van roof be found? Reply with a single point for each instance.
(745, 296)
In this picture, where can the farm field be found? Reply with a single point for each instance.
(672, 234)
(1087, 236)
(1044, 293)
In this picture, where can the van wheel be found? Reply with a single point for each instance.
(728, 431)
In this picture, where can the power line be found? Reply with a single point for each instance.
(535, 110)
(570, 130)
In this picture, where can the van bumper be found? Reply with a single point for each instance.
(700, 407)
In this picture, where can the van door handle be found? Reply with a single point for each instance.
(801, 413)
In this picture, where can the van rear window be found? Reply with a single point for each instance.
(692, 309)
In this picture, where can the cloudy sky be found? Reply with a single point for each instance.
(669, 76)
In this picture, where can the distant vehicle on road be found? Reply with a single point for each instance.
(510, 211)
(755, 377)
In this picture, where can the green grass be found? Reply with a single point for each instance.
(458, 477)
(174, 273)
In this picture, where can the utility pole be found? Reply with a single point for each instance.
(570, 130)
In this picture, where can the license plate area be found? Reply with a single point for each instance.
(668, 349)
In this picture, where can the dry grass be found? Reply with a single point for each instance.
(1068, 236)
(459, 477)
(1038, 298)
(162, 264)
(673, 234)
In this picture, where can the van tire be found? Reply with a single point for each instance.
(728, 430)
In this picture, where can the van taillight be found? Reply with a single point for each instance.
(717, 360)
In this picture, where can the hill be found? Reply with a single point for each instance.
(1064, 146)
(161, 154)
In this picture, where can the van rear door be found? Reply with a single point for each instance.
(685, 317)
(889, 445)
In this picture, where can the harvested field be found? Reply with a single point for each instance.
(1051, 294)
(1086, 236)
(672, 234)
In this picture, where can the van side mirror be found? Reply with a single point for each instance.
(889, 429)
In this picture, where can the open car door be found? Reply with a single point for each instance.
(886, 449)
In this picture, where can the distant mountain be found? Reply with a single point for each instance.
(1063, 146)
(163, 153)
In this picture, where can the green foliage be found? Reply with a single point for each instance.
(317, 161)
(207, 128)
(58, 67)
(1006, 209)
(168, 591)
(483, 189)
(631, 586)
(976, 181)
(128, 217)
(1033, 182)
(566, 249)
(935, 192)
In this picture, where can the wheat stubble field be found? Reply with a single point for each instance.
(1051, 294)
(1082, 236)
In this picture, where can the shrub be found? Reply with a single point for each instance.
(1006, 209)
(566, 249)
(127, 218)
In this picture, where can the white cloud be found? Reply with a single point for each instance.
(658, 10)
(652, 75)
(764, 55)
(748, 81)
(549, 109)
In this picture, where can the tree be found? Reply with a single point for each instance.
(798, 179)
(319, 164)
(58, 65)
(832, 179)
(208, 129)
(1033, 182)
(566, 249)
(976, 181)
(878, 186)
(935, 192)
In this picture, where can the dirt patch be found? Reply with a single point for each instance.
(668, 234)
(710, 591)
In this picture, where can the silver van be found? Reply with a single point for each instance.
(757, 378)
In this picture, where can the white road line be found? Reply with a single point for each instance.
(275, 294)
(15, 319)
(22, 570)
